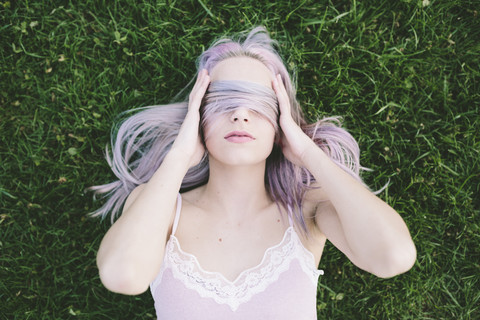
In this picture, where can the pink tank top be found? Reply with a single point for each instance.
(282, 286)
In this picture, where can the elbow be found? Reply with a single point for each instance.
(397, 262)
(122, 280)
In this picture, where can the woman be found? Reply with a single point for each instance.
(234, 197)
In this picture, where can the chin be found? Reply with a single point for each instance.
(236, 161)
(239, 157)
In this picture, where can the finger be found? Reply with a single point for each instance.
(200, 79)
(205, 80)
(203, 85)
(282, 95)
(199, 89)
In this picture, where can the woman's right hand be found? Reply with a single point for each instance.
(188, 141)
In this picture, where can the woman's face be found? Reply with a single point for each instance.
(242, 137)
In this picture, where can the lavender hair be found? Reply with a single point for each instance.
(141, 142)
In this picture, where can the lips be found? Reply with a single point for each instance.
(239, 137)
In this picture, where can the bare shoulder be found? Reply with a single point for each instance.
(191, 195)
(320, 213)
(314, 202)
(318, 206)
(314, 199)
(192, 198)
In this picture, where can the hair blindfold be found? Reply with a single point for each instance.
(224, 97)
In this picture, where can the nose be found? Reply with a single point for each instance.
(240, 115)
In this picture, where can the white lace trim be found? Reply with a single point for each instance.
(276, 260)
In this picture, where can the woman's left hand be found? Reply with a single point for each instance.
(294, 142)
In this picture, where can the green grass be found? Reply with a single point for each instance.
(404, 74)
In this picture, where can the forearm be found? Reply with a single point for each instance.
(132, 250)
(376, 234)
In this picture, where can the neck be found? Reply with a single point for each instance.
(237, 191)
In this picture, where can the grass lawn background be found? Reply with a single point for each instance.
(404, 74)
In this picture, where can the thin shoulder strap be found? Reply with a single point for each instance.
(177, 214)
(290, 215)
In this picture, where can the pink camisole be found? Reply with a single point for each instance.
(282, 286)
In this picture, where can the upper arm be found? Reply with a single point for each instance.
(120, 271)
(132, 197)
(375, 241)
(328, 223)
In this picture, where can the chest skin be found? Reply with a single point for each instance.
(231, 247)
